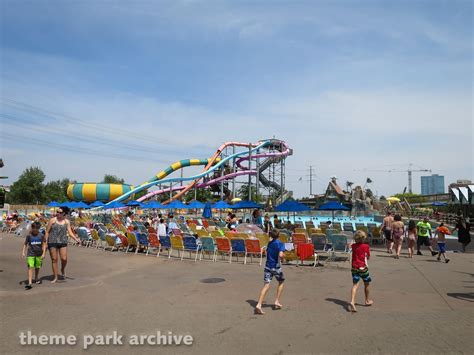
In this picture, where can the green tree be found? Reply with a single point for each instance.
(54, 191)
(28, 188)
(202, 195)
(243, 193)
(112, 179)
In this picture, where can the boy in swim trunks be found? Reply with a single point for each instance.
(36, 244)
(441, 233)
(360, 255)
(275, 250)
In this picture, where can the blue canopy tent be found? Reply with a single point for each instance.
(114, 205)
(207, 213)
(176, 204)
(221, 205)
(68, 204)
(196, 204)
(292, 206)
(333, 206)
(439, 204)
(134, 203)
(245, 205)
(53, 204)
(153, 204)
(81, 204)
(97, 204)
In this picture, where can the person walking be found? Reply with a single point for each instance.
(57, 233)
(464, 236)
(386, 229)
(424, 235)
(398, 232)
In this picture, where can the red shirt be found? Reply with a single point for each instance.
(360, 251)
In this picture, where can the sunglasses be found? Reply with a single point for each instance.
(59, 212)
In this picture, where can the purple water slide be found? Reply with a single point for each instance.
(201, 185)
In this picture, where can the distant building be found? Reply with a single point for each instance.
(432, 185)
(334, 192)
(462, 191)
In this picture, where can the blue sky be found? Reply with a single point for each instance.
(96, 87)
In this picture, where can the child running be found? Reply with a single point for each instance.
(360, 255)
(36, 244)
(441, 233)
(275, 254)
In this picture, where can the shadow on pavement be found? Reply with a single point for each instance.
(341, 303)
(469, 297)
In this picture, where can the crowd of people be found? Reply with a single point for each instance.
(59, 229)
(421, 234)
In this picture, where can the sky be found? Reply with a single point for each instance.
(127, 88)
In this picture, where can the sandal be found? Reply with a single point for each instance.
(38, 282)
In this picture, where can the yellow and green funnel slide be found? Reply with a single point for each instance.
(90, 192)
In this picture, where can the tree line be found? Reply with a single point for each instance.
(31, 189)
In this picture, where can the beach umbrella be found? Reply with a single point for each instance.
(114, 205)
(53, 204)
(221, 205)
(333, 206)
(292, 206)
(176, 204)
(134, 203)
(81, 204)
(97, 204)
(196, 204)
(71, 204)
(207, 213)
(246, 205)
(236, 199)
(152, 204)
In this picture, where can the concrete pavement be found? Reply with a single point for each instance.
(421, 306)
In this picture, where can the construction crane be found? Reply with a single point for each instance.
(410, 171)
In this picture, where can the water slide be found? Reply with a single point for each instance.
(213, 163)
(271, 158)
(200, 185)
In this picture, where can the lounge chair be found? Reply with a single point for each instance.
(253, 247)
(165, 243)
(339, 247)
(176, 244)
(132, 242)
(320, 246)
(375, 235)
(84, 237)
(191, 245)
(237, 247)
(208, 246)
(153, 243)
(224, 247)
(111, 242)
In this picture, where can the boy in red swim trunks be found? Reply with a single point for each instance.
(441, 233)
(360, 255)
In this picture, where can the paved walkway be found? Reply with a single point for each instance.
(421, 306)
